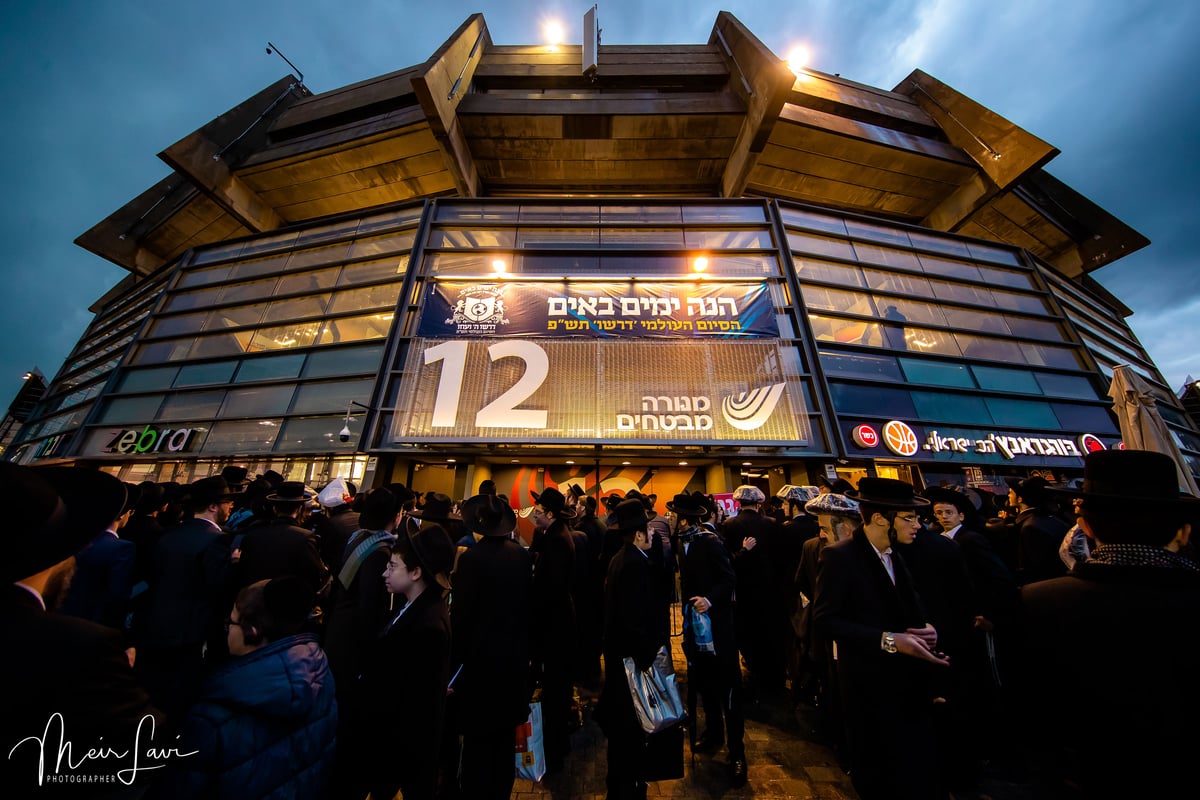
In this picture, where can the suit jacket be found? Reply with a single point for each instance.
(1109, 668)
(489, 618)
(553, 618)
(102, 581)
(405, 675)
(752, 567)
(939, 573)
(705, 570)
(77, 668)
(995, 587)
(630, 630)
(187, 586)
(1038, 536)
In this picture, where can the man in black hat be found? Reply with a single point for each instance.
(282, 546)
(58, 664)
(867, 606)
(552, 623)
(707, 583)
(185, 601)
(1036, 531)
(489, 622)
(1118, 637)
(630, 630)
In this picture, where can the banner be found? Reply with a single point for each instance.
(546, 390)
(598, 310)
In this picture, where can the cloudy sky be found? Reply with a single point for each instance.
(93, 89)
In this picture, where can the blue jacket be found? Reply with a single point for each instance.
(264, 727)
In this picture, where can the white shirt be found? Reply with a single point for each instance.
(950, 534)
(886, 557)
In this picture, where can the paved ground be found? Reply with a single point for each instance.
(786, 760)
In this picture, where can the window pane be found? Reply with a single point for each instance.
(260, 401)
(392, 219)
(641, 237)
(377, 246)
(820, 245)
(1095, 419)
(231, 344)
(896, 282)
(272, 368)
(994, 254)
(352, 329)
(828, 271)
(872, 400)
(1020, 302)
(1044, 355)
(476, 212)
(317, 256)
(235, 317)
(877, 233)
(938, 244)
(566, 213)
(132, 409)
(861, 365)
(990, 349)
(142, 380)
(345, 361)
(241, 437)
(900, 310)
(307, 281)
(729, 240)
(454, 263)
(1007, 277)
(556, 237)
(1067, 386)
(201, 374)
(182, 324)
(322, 233)
(937, 373)
(259, 266)
(245, 292)
(322, 398)
(316, 432)
(198, 299)
(887, 256)
(961, 293)
(297, 308)
(202, 277)
(282, 337)
(379, 296)
(922, 340)
(950, 269)
(976, 321)
(162, 352)
(837, 300)
(192, 405)
(1006, 380)
(1036, 329)
(724, 213)
(370, 271)
(807, 219)
(939, 407)
(651, 213)
(1022, 413)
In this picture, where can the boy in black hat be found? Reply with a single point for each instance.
(1121, 630)
(867, 606)
(1036, 531)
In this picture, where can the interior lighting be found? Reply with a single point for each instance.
(451, 460)
(798, 58)
(553, 31)
(746, 463)
(624, 463)
(683, 463)
(699, 264)
(499, 266)
(570, 462)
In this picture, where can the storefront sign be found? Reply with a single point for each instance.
(151, 440)
(865, 436)
(599, 390)
(599, 310)
(1090, 443)
(901, 439)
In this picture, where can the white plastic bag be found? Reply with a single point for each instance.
(531, 761)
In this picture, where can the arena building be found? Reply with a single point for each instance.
(671, 267)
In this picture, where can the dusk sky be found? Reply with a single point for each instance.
(92, 91)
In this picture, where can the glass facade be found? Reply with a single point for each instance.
(742, 325)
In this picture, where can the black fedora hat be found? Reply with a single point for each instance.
(886, 493)
(554, 501)
(837, 486)
(435, 551)
(689, 505)
(236, 477)
(290, 492)
(438, 508)
(488, 515)
(206, 491)
(1115, 478)
(629, 517)
(95, 498)
(1034, 491)
(377, 508)
(44, 530)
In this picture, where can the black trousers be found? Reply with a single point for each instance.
(719, 681)
(488, 764)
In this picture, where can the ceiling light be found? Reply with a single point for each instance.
(570, 462)
(624, 463)
(747, 463)
(451, 460)
(683, 463)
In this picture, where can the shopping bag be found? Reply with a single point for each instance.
(664, 755)
(697, 627)
(531, 761)
(655, 694)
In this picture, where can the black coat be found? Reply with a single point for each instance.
(630, 630)
(279, 548)
(554, 579)
(186, 598)
(489, 617)
(100, 587)
(939, 573)
(356, 615)
(705, 571)
(995, 587)
(1039, 535)
(1109, 668)
(59, 663)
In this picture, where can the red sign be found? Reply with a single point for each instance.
(865, 436)
(1091, 443)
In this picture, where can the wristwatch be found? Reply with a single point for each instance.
(889, 642)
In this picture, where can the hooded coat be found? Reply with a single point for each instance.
(264, 727)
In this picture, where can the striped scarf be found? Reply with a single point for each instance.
(364, 543)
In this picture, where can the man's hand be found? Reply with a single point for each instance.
(926, 634)
(749, 543)
(701, 604)
(912, 645)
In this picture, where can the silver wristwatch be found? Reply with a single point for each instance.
(889, 642)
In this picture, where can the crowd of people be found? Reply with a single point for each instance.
(247, 637)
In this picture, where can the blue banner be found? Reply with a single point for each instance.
(632, 309)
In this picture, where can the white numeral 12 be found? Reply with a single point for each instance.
(501, 412)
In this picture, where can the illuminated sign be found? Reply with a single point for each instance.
(865, 436)
(151, 440)
(1090, 443)
(633, 309)
(541, 390)
(899, 438)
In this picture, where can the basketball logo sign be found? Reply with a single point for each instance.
(900, 438)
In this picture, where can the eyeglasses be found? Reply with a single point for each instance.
(911, 519)
(230, 622)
